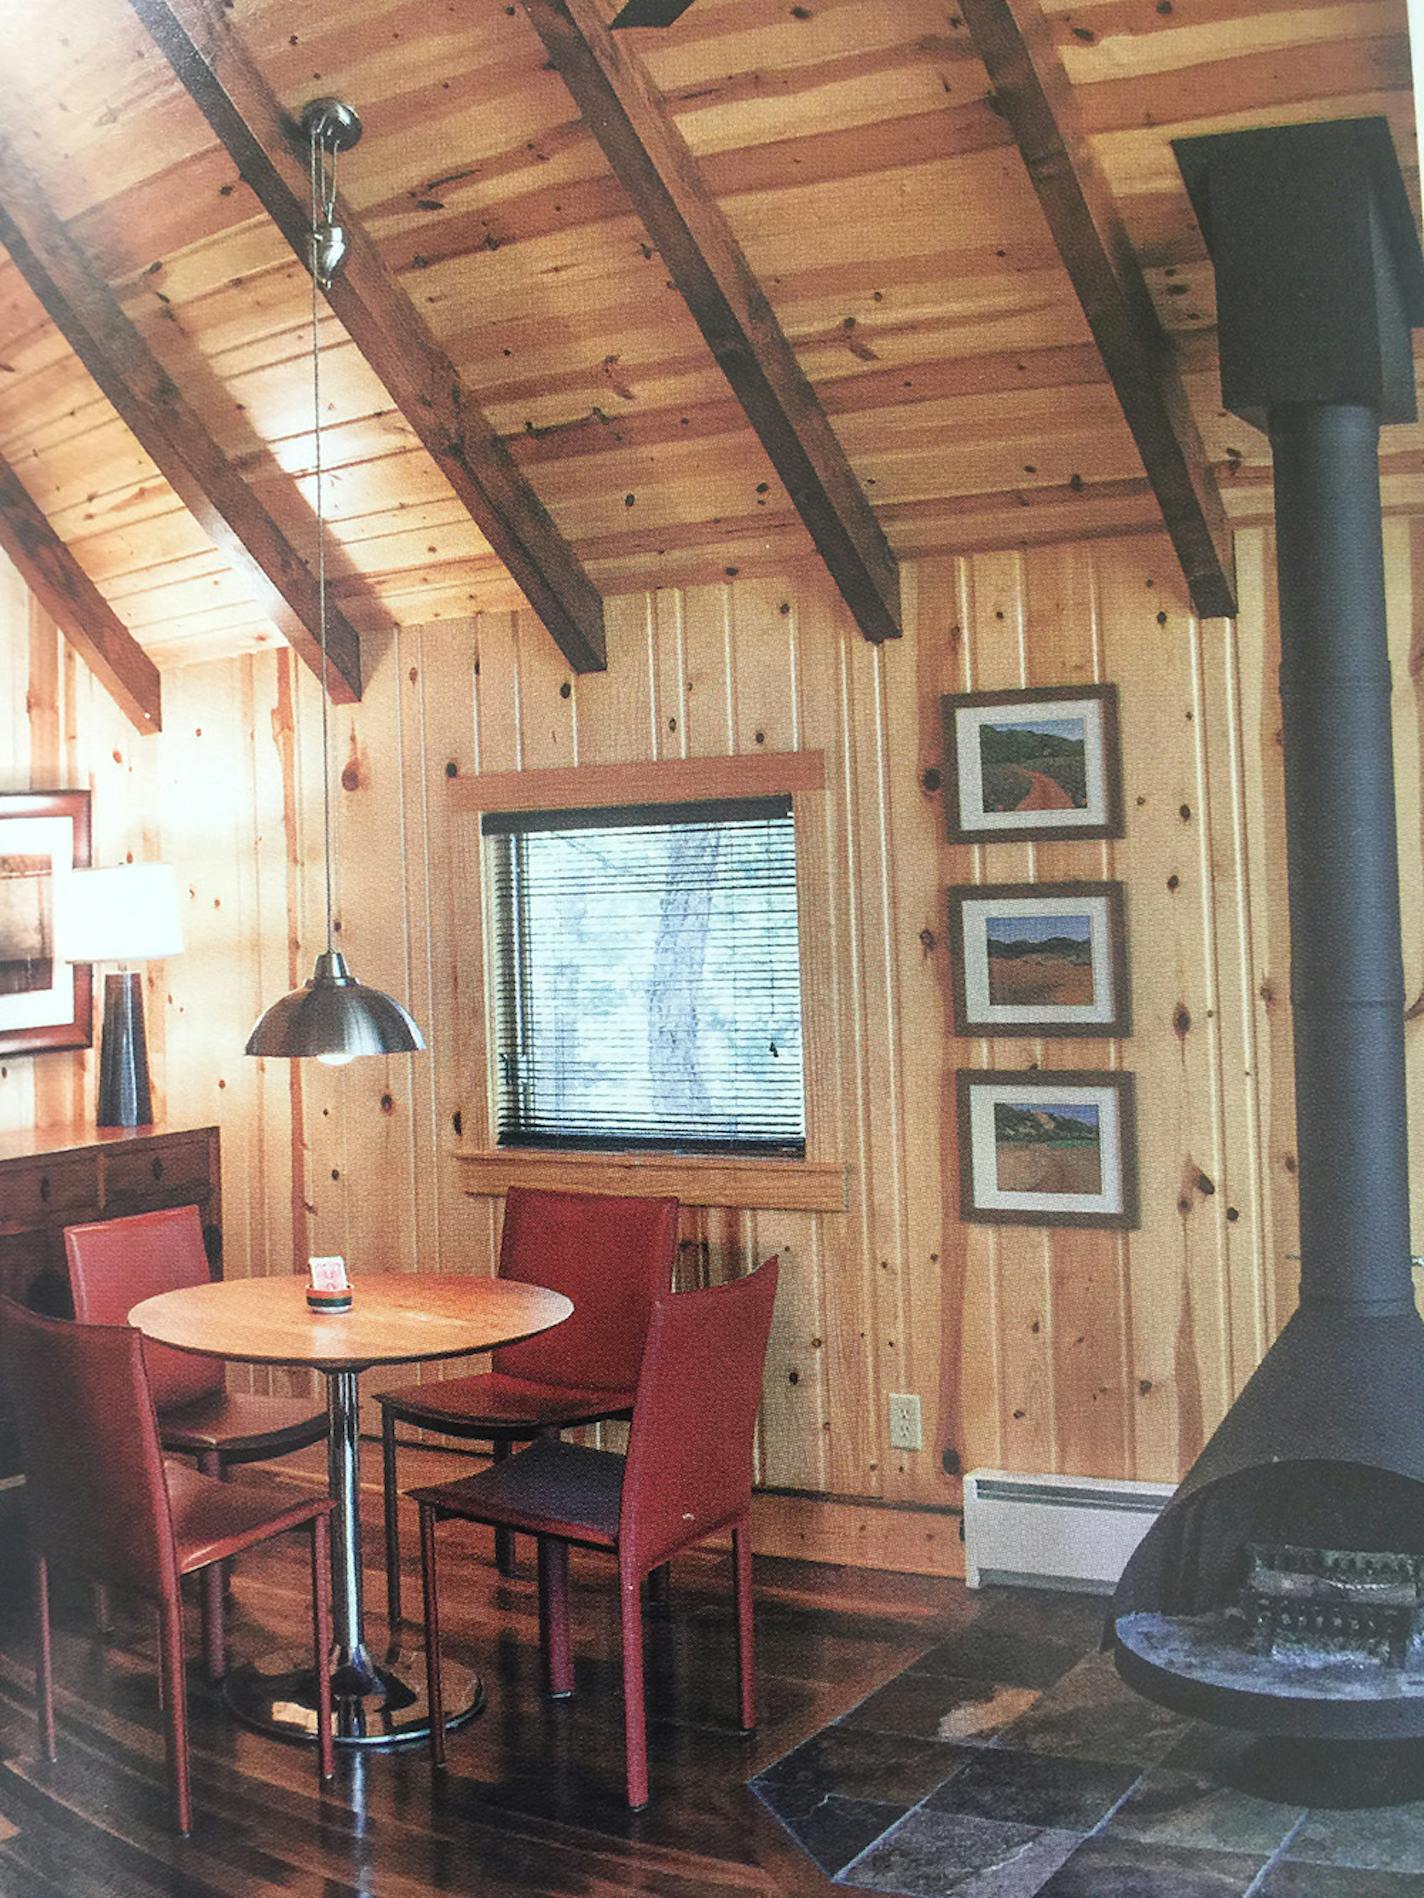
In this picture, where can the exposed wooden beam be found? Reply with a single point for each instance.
(89, 315)
(383, 322)
(1034, 93)
(76, 606)
(650, 12)
(651, 160)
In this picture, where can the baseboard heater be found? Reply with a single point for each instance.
(1054, 1531)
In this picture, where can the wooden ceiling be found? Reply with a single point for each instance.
(838, 325)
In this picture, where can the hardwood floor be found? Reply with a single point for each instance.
(532, 1801)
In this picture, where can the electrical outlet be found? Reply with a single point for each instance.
(905, 1421)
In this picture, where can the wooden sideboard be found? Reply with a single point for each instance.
(53, 1177)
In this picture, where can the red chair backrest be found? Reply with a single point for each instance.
(612, 1257)
(116, 1262)
(689, 1464)
(96, 1499)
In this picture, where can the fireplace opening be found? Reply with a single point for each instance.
(1276, 1605)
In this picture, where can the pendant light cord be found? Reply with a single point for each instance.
(333, 1017)
(323, 194)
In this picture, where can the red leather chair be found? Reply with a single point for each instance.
(612, 1257)
(101, 1500)
(688, 1473)
(112, 1265)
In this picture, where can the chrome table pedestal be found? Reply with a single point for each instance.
(374, 1702)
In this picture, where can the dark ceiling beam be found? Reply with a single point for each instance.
(270, 152)
(1031, 88)
(652, 162)
(88, 314)
(77, 607)
(650, 12)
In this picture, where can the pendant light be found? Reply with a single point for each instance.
(334, 1017)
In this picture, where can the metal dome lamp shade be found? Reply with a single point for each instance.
(334, 1017)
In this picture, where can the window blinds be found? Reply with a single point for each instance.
(648, 987)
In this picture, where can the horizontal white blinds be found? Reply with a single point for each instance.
(648, 985)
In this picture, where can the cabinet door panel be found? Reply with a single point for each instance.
(32, 1271)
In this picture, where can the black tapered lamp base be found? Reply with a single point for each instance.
(123, 1056)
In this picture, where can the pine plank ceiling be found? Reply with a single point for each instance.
(853, 152)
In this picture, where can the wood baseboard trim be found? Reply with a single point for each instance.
(858, 1533)
(854, 1531)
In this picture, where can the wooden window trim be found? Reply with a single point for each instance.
(669, 781)
(697, 1179)
(815, 1184)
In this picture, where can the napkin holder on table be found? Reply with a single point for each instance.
(330, 1289)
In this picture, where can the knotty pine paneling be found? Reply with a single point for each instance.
(852, 148)
(64, 732)
(1105, 1353)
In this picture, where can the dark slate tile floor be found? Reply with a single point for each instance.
(1008, 1761)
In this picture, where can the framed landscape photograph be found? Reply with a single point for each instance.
(1039, 959)
(1048, 1149)
(45, 1003)
(1040, 763)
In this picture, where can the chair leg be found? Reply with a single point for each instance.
(44, 1668)
(392, 1503)
(103, 1610)
(660, 1584)
(225, 1476)
(434, 1697)
(210, 1585)
(176, 1706)
(635, 1715)
(746, 1636)
(554, 1617)
(504, 1558)
(321, 1640)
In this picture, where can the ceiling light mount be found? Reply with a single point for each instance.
(331, 126)
(331, 123)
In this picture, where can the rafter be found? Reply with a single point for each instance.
(76, 606)
(650, 12)
(652, 162)
(88, 315)
(1033, 91)
(384, 324)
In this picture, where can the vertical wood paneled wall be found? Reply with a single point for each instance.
(1032, 1349)
(60, 730)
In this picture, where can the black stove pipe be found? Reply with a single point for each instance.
(1347, 975)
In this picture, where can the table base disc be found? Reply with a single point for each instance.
(278, 1695)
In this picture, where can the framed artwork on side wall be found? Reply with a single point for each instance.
(1037, 764)
(45, 1002)
(1048, 1149)
(1039, 959)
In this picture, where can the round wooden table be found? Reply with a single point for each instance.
(395, 1318)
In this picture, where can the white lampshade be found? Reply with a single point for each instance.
(128, 913)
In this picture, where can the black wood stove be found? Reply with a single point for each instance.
(1282, 1589)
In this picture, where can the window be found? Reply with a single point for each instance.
(647, 977)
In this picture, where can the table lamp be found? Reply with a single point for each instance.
(125, 914)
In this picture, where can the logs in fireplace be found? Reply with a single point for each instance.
(1280, 1590)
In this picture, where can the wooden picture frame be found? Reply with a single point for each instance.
(1048, 1148)
(1039, 959)
(45, 1003)
(1036, 764)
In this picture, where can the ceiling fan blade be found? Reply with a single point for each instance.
(651, 12)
